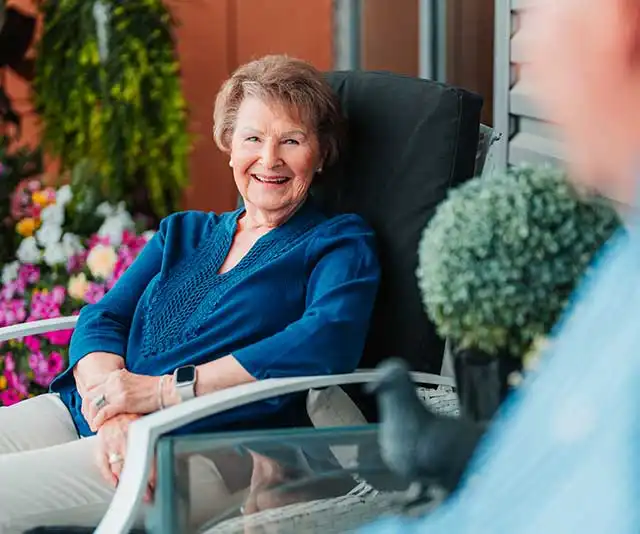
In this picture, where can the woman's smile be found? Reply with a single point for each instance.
(271, 180)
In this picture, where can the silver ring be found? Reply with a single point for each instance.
(100, 402)
(115, 458)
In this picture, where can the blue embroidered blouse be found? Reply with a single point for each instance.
(298, 303)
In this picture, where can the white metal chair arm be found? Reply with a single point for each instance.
(37, 327)
(144, 433)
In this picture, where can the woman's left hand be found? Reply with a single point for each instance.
(121, 392)
(111, 448)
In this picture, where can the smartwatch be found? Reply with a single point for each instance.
(185, 381)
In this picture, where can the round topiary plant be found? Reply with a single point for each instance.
(502, 254)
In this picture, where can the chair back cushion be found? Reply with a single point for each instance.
(409, 141)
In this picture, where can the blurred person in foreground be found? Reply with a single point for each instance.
(562, 456)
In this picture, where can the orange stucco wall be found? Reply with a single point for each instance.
(213, 38)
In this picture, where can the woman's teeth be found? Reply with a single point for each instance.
(270, 180)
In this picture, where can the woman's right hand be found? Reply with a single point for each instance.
(94, 368)
(112, 448)
(92, 371)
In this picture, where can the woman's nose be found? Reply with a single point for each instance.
(270, 155)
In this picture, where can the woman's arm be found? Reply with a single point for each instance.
(99, 341)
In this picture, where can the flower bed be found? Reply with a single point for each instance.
(56, 273)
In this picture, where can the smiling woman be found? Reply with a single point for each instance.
(274, 289)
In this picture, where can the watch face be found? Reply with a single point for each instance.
(186, 374)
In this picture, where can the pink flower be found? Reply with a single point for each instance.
(56, 363)
(13, 289)
(9, 397)
(40, 368)
(95, 239)
(12, 312)
(45, 305)
(61, 337)
(9, 363)
(29, 274)
(94, 293)
(58, 294)
(77, 262)
(45, 369)
(32, 343)
(16, 382)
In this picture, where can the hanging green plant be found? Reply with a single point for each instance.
(107, 88)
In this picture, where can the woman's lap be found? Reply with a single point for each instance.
(35, 423)
(48, 474)
(49, 477)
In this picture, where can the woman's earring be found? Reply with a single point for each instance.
(319, 170)
(230, 163)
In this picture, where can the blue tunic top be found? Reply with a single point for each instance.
(298, 303)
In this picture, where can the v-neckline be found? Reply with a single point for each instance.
(232, 226)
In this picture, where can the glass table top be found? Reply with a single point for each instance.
(276, 481)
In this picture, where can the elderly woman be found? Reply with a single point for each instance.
(276, 288)
(564, 454)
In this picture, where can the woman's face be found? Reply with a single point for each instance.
(579, 65)
(273, 155)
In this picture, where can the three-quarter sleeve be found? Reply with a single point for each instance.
(329, 337)
(105, 325)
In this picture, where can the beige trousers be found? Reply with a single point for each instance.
(48, 475)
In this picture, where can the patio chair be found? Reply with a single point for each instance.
(410, 142)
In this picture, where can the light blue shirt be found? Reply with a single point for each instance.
(562, 456)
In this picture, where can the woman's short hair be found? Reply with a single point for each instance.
(291, 82)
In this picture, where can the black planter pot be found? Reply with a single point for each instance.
(482, 381)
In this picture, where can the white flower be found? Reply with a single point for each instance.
(78, 286)
(49, 234)
(64, 195)
(54, 254)
(71, 244)
(148, 235)
(53, 214)
(105, 209)
(28, 251)
(101, 261)
(10, 272)
(113, 227)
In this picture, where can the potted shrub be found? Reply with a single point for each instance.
(497, 264)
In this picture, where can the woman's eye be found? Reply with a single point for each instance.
(291, 142)
(253, 139)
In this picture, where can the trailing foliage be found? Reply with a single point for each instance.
(502, 254)
(107, 88)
